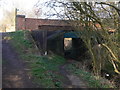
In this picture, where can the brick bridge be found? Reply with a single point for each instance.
(30, 24)
(43, 31)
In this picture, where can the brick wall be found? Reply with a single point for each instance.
(20, 22)
(33, 24)
(44, 24)
(54, 27)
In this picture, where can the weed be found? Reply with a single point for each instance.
(43, 68)
(88, 77)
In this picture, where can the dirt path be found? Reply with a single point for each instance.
(14, 71)
(72, 81)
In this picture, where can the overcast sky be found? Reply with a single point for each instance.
(25, 5)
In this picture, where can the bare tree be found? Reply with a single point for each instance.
(95, 21)
(8, 21)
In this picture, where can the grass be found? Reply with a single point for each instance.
(20, 42)
(92, 81)
(44, 69)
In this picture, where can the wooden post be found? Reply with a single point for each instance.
(45, 42)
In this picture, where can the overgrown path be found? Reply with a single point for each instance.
(72, 81)
(14, 71)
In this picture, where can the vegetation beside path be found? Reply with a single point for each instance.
(92, 81)
(45, 69)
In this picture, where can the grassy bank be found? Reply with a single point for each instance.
(43, 68)
(92, 81)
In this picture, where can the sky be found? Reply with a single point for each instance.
(25, 5)
(22, 5)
